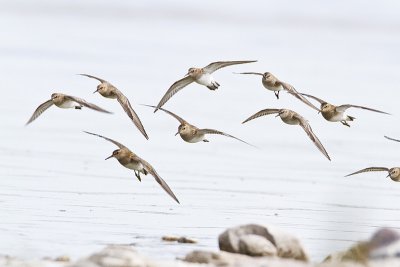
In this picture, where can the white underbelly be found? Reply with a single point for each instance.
(206, 79)
(134, 166)
(339, 117)
(69, 104)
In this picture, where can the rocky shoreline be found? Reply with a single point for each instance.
(246, 245)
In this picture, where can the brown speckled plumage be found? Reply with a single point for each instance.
(132, 161)
(293, 118)
(108, 90)
(64, 101)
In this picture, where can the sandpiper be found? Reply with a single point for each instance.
(272, 83)
(394, 173)
(130, 160)
(338, 113)
(201, 76)
(191, 133)
(64, 101)
(108, 90)
(293, 118)
(387, 137)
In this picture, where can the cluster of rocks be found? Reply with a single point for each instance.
(247, 245)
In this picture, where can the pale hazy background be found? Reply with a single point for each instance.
(59, 196)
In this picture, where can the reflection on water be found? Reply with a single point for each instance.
(59, 196)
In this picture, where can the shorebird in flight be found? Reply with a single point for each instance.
(201, 76)
(338, 113)
(272, 83)
(191, 133)
(64, 101)
(108, 90)
(292, 118)
(393, 173)
(130, 160)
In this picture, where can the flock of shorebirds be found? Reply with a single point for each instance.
(193, 134)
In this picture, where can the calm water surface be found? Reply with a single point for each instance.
(59, 196)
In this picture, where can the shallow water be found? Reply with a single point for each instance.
(59, 196)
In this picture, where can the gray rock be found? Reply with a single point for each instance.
(383, 249)
(227, 259)
(357, 253)
(13, 262)
(125, 256)
(229, 240)
(114, 256)
(287, 246)
(204, 257)
(256, 245)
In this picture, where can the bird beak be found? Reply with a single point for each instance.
(319, 111)
(109, 157)
(176, 133)
(95, 91)
(277, 115)
(388, 175)
(187, 74)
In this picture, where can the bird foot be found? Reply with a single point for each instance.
(345, 123)
(137, 174)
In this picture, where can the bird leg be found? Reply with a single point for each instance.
(277, 94)
(137, 174)
(345, 123)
